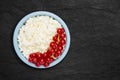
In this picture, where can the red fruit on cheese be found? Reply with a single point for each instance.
(32, 55)
(52, 44)
(55, 38)
(54, 51)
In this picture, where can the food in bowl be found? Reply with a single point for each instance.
(42, 40)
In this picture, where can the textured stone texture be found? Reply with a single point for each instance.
(95, 40)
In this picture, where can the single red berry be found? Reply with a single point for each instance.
(63, 41)
(41, 61)
(48, 60)
(63, 36)
(30, 59)
(39, 55)
(52, 44)
(56, 55)
(45, 55)
(32, 55)
(60, 48)
(37, 64)
(55, 46)
(55, 38)
(60, 30)
(34, 60)
(50, 51)
(46, 64)
(59, 52)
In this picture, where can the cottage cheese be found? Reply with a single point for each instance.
(36, 34)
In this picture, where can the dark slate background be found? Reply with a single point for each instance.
(95, 40)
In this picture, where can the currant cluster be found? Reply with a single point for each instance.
(54, 51)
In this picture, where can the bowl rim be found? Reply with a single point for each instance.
(40, 13)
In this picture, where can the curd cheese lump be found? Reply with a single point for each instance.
(36, 34)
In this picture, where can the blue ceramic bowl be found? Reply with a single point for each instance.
(21, 23)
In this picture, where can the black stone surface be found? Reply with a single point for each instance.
(95, 40)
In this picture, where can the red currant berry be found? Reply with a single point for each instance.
(30, 59)
(37, 64)
(41, 61)
(55, 46)
(45, 55)
(34, 60)
(60, 48)
(63, 41)
(59, 52)
(60, 30)
(63, 36)
(51, 52)
(32, 55)
(48, 60)
(39, 55)
(56, 55)
(46, 64)
(52, 44)
(55, 38)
